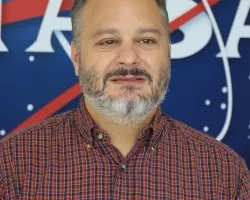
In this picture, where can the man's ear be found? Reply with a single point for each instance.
(75, 58)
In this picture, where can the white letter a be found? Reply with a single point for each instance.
(51, 22)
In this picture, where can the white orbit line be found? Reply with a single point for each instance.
(66, 46)
(64, 42)
(0, 16)
(221, 44)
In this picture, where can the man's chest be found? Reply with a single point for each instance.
(146, 176)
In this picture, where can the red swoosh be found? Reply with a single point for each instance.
(19, 10)
(73, 92)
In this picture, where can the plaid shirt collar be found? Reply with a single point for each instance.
(89, 130)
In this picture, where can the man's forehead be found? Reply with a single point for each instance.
(111, 19)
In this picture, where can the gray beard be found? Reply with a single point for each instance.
(124, 110)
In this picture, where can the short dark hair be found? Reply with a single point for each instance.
(77, 7)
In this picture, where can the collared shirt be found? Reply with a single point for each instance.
(69, 157)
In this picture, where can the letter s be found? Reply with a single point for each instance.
(197, 32)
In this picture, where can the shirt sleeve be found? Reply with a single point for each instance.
(1, 184)
(1, 179)
(244, 185)
(5, 174)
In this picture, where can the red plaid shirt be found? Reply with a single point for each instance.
(69, 157)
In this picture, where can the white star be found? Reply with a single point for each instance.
(31, 58)
(223, 106)
(30, 107)
(207, 102)
(206, 129)
(224, 89)
(2, 132)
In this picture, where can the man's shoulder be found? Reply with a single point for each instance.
(200, 141)
(43, 131)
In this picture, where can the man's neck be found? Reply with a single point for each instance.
(122, 137)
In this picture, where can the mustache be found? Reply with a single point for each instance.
(126, 72)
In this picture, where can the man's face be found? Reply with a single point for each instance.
(124, 55)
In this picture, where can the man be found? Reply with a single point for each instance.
(118, 144)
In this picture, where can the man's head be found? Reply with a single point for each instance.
(121, 53)
(78, 9)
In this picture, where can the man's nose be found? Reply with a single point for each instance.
(128, 56)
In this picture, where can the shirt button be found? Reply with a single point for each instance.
(88, 147)
(100, 136)
(123, 166)
(152, 149)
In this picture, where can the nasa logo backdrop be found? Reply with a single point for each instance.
(210, 85)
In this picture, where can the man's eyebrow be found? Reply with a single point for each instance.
(104, 31)
(149, 30)
(115, 31)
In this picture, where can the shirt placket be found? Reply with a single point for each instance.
(103, 144)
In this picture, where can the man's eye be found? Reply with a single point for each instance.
(147, 41)
(108, 42)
